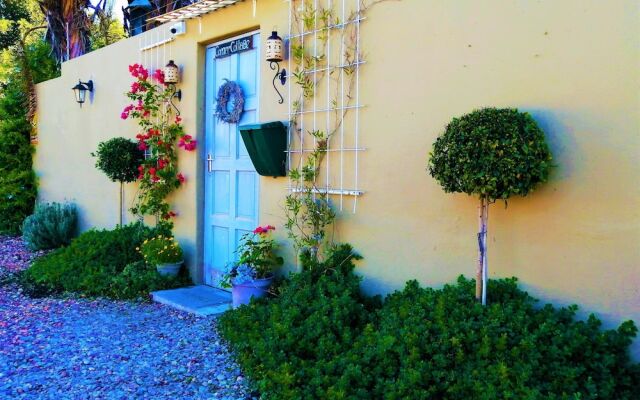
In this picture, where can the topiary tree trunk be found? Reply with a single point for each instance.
(119, 158)
(121, 201)
(482, 269)
(494, 154)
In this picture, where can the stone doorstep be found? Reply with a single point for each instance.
(201, 300)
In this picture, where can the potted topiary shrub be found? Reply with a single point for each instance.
(252, 275)
(165, 253)
(493, 154)
(119, 158)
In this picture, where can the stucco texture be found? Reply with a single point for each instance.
(573, 65)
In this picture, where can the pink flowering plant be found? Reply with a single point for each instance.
(161, 134)
(256, 257)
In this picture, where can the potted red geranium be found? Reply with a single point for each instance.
(252, 275)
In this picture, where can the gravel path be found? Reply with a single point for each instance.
(101, 349)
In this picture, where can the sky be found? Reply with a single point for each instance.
(117, 8)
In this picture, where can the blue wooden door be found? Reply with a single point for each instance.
(231, 183)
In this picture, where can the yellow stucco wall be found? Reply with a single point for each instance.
(573, 65)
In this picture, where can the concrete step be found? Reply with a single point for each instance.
(201, 300)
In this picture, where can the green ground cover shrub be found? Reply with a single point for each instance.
(101, 263)
(52, 225)
(293, 346)
(442, 344)
(320, 339)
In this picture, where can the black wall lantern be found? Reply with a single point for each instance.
(171, 78)
(274, 54)
(80, 90)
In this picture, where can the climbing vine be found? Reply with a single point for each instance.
(308, 208)
(161, 133)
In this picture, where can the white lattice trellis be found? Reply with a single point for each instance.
(329, 31)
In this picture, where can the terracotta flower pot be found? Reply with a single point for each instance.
(169, 269)
(243, 292)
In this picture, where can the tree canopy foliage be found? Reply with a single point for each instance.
(492, 153)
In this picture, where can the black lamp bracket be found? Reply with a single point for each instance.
(281, 75)
(177, 94)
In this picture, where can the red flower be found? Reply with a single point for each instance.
(138, 71)
(152, 171)
(162, 163)
(159, 76)
(142, 146)
(181, 178)
(187, 143)
(178, 119)
(168, 215)
(264, 229)
(126, 111)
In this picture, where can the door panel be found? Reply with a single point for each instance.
(231, 183)
(245, 197)
(221, 204)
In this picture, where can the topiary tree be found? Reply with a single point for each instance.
(493, 154)
(119, 158)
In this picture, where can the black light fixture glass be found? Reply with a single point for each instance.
(274, 54)
(80, 91)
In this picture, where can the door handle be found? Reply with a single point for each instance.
(209, 163)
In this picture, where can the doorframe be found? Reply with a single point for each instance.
(203, 152)
(234, 37)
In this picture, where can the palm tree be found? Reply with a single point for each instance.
(69, 26)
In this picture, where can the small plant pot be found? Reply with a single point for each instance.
(243, 292)
(169, 269)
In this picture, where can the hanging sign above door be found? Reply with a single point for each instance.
(234, 47)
